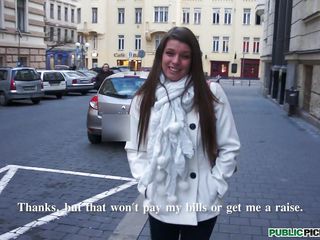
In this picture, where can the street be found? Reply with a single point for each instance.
(43, 142)
(47, 165)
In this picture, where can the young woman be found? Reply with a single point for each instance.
(183, 141)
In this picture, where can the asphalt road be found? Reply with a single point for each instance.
(47, 164)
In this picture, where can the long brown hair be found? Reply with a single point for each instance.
(203, 97)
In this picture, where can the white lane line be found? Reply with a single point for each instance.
(4, 168)
(7, 177)
(72, 173)
(63, 212)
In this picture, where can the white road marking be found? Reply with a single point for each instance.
(63, 212)
(7, 177)
(71, 173)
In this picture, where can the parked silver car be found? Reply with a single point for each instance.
(19, 83)
(53, 82)
(107, 117)
(77, 81)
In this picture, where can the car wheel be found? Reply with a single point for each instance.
(94, 139)
(59, 96)
(3, 99)
(35, 100)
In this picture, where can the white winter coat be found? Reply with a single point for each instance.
(206, 186)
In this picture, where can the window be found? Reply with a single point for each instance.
(258, 19)
(157, 40)
(120, 15)
(78, 15)
(256, 45)
(59, 13)
(94, 15)
(225, 44)
(66, 14)
(186, 15)
(51, 11)
(66, 35)
(216, 16)
(227, 15)
(197, 15)
(138, 18)
(160, 14)
(95, 41)
(59, 35)
(245, 48)
(72, 15)
(21, 15)
(138, 42)
(215, 44)
(72, 35)
(51, 34)
(120, 42)
(246, 16)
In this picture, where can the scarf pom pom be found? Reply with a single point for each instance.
(162, 161)
(174, 127)
(160, 176)
(172, 199)
(183, 185)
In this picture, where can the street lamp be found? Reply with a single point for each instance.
(81, 50)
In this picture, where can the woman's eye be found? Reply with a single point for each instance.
(170, 53)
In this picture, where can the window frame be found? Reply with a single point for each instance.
(120, 42)
(185, 15)
(197, 16)
(161, 14)
(215, 43)
(216, 16)
(121, 15)
(138, 15)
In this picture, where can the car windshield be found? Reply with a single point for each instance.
(75, 74)
(122, 87)
(51, 76)
(25, 75)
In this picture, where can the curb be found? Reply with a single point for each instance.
(131, 225)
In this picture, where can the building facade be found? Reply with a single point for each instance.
(21, 33)
(125, 32)
(291, 53)
(60, 32)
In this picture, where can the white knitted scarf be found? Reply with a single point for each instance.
(169, 145)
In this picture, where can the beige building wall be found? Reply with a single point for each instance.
(304, 57)
(108, 30)
(29, 44)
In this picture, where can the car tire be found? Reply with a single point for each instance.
(35, 100)
(94, 139)
(4, 101)
(59, 96)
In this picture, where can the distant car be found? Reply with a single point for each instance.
(61, 67)
(77, 81)
(89, 73)
(120, 69)
(53, 82)
(19, 83)
(107, 117)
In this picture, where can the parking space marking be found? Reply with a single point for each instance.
(63, 212)
(7, 177)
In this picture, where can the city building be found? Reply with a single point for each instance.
(124, 32)
(60, 32)
(21, 33)
(291, 55)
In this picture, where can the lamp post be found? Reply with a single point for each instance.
(81, 50)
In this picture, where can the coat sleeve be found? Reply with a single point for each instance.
(137, 158)
(227, 140)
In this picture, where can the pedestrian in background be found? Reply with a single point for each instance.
(183, 141)
(105, 72)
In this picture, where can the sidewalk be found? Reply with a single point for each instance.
(278, 165)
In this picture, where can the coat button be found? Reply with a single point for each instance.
(193, 175)
(192, 126)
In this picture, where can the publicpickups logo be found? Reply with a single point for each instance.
(294, 232)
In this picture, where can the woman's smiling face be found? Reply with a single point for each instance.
(176, 60)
